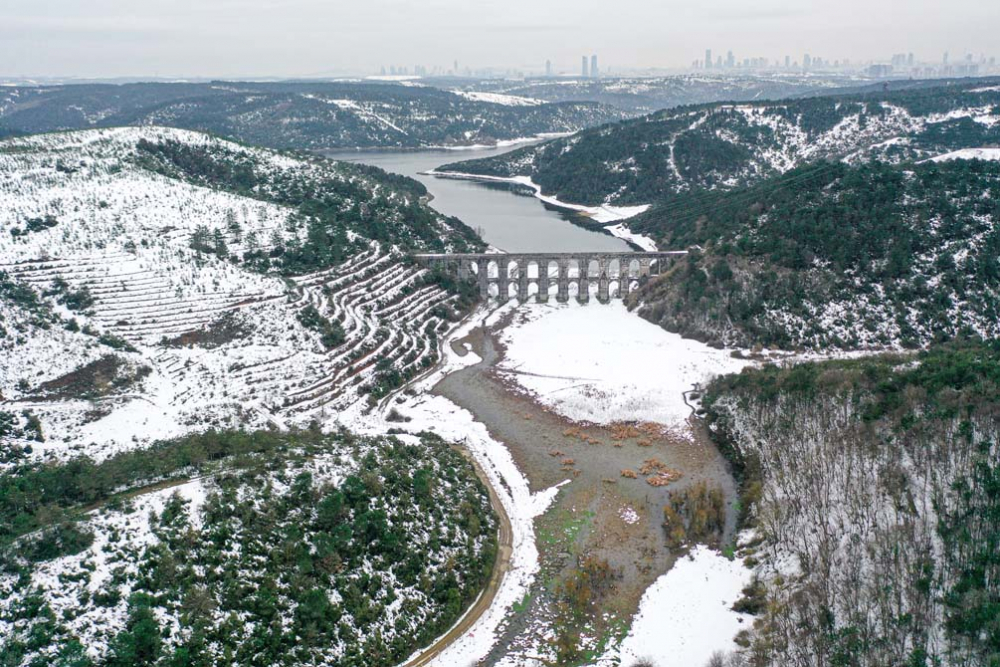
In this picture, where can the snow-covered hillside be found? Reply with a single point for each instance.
(647, 94)
(731, 145)
(118, 328)
(303, 115)
(872, 485)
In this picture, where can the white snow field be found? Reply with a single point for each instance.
(599, 363)
(969, 154)
(499, 98)
(686, 615)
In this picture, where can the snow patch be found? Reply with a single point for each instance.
(686, 615)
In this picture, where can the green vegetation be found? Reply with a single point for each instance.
(331, 333)
(716, 146)
(914, 253)
(293, 115)
(578, 596)
(34, 225)
(840, 463)
(25, 299)
(695, 514)
(329, 200)
(282, 564)
(80, 299)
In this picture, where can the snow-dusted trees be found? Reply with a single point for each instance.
(877, 503)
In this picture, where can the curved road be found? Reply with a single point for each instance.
(505, 547)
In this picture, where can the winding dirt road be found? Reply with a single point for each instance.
(485, 599)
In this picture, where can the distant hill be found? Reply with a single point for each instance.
(639, 95)
(311, 115)
(721, 146)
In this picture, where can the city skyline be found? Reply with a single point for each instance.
(301, 38)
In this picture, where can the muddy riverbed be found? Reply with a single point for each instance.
(598, 512)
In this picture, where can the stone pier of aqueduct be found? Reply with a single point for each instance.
(562, 275)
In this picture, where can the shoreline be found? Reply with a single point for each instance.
(594, 496)
(501, 143)
(606, 218)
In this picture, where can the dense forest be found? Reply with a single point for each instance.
(841, 464)
(834, 255)
(727, 145)
(313, 116)
(282, 549)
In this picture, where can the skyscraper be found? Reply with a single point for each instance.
(806, 61)
(788, 62)
(548, 68)
(593, 67)
(708, 58)
(730, 60)
(583, 67)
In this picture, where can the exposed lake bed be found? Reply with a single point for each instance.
(599, 514)
(588, 402)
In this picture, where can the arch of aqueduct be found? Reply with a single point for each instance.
(521, 275)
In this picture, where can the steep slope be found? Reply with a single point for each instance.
(874, 491)
(312, 116)
(160, 281)
(834, 255)
(728, 145)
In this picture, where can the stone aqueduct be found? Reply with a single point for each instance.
(519, 275)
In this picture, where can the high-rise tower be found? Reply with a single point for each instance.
(593, 67)
(708, 58)
(583, 67)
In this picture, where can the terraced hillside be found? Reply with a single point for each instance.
(156, 281)
(723, 146)
(314, 116)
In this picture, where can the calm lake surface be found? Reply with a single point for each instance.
(506, 218)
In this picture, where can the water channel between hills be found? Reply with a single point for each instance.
(587, 515)
(509, 222)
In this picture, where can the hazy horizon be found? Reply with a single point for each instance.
(303, 38)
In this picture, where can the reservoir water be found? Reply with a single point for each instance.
(507, 219)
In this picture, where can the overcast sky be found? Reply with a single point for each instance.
(245, 38)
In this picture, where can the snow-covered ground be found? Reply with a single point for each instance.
(453, 423)
(604, 214)
(124, 233)
(500, 98)
(624, 368)
(969, 154)
(686, 615)
(602, 364)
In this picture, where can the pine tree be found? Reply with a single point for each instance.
(219, 244)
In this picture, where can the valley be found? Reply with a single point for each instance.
(242, 423)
